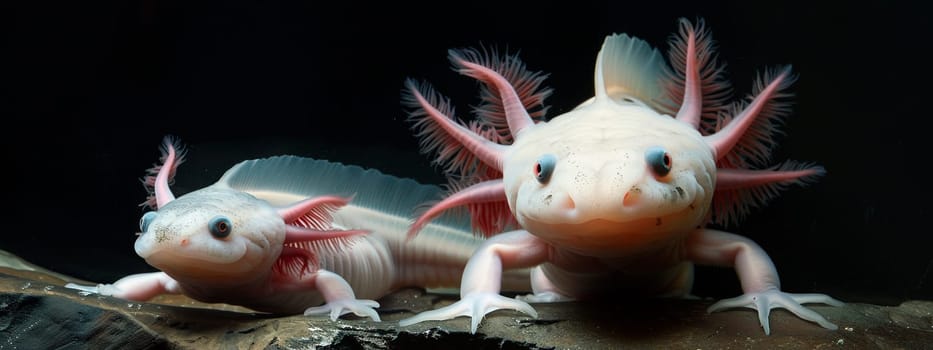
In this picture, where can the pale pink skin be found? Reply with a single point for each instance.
(237, 269)
(283, 255)
(604, 214)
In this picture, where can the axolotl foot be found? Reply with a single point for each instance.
(474, 305)
(337, 308)
(769, 299)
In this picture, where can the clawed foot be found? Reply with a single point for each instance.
(773, 298)
(337, 308)
(476, 306)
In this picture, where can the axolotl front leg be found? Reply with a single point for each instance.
(340, 299)
(482, 279)
(137, 287)
(757, 275)
(481, 282)
(338, 295)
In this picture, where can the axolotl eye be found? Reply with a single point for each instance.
(544, 167)
(220, 227)
(146, 220)
(659, 161)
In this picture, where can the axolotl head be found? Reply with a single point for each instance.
(213, 234)
(632, 168)
(220, 237)
(609, 177)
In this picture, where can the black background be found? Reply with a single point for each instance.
(91, 88)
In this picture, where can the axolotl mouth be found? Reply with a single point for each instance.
(195, 247)
(165, 243)
(654, 204)
(200, 256)
(607, 237)
(199, 231)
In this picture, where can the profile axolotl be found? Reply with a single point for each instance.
(613, 196)
(291, 235)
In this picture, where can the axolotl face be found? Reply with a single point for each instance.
(212, 234)
(610, 178)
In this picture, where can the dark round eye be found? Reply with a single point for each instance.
(659, 161)
(220, 227)
(146, 220)
(544, 167)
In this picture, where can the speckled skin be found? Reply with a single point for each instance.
(613, 196)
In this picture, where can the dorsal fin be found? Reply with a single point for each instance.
(631, 69)
(310, 177)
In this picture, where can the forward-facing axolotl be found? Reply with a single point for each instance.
(613, 196)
